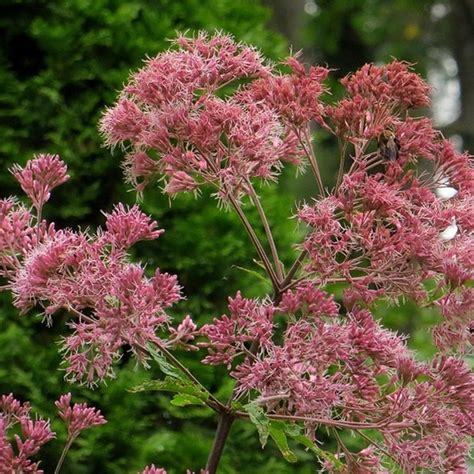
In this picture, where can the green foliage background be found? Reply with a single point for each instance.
(61, 63)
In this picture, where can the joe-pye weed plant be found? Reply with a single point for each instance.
(398, 224)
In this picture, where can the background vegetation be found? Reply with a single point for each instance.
(61, 63)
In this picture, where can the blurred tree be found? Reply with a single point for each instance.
(437, 35)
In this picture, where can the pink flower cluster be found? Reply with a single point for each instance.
(159, 470)
(174, 121)
(79, 417)
(228, 335)
(389, 227)
(376, 95)
(35, 433)
(398, 223)
(40, 176)
(112, 302)
(326, 368)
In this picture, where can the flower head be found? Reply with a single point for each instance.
(31, 436)
(79, 417)
(40, 176)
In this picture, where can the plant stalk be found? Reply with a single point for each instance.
(268, 232)
(223, 428)
(63, 456)
(258, 246)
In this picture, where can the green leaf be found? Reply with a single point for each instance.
(164, 365)
(277, 432)
(252, 272)
(170, 384)
(294, 431)
(184, 399)
(258, 418)
(236, 405)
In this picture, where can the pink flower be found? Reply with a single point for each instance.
(112, 302)
(40, 176)
(295, 96)
(180, 181)
(170, 111)
(79, 417)
(394, 83)
(12, 410)
(125, 226)
(33, 434)
(184, 334)
(153, 470)
(248, 321)
(139, 169)
(123, 122)
(312, 301)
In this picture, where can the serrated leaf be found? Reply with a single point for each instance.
(169, 384)
(277, 432)
(184, 399)
(252, 272)
(291, 429)
(164, 365)
(295, 434)
(261, 422)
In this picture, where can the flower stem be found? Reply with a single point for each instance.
(258, 246)
(294, 268)
(268, 232)
(352, 425)
(220, 438)
(63, 455)
(305, 142)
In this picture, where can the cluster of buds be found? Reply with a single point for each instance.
(34, 433)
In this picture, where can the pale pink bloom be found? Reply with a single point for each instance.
(112, 302)
(418, 139)
(180, 181)
(295, 96)
(124, 121)
(184, 334)
(18, 235)
(356, 118)
(139, 169)
(456, 380)
(12, 410)
(394, 83)
(172, 101)
(312, 301)
(368, 460)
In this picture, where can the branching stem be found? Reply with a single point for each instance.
(258, 246)
(271, 242)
